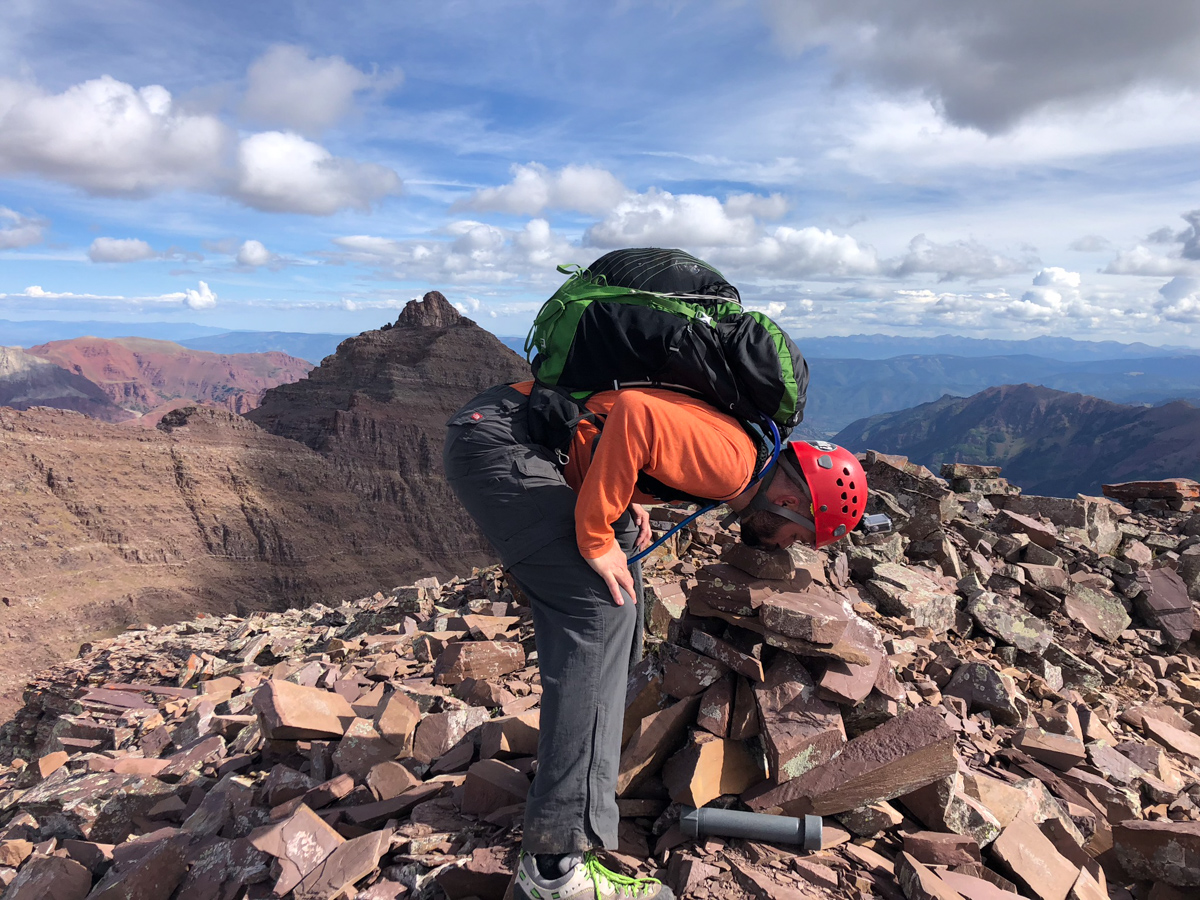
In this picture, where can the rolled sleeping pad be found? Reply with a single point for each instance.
(752, 826)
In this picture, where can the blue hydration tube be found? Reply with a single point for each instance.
(778, 442)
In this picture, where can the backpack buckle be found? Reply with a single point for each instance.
(563, 458)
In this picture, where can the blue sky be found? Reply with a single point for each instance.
(853, 166)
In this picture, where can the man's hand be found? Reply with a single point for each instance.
(614, 569)
(641, 518)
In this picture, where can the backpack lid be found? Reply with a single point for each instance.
(661, 271)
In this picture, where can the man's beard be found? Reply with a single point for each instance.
(759, 528)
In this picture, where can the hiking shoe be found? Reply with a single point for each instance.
(586, 879)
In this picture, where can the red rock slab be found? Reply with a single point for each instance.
(1042, 534)
(845, 682)
(840, 650)
(727, 654)
(477, 692)
(1034, 862)
(289, 712)
(1164, 604)
(492, 785)
(300, 843)
(373, 815)
(1185, 742)
(1159, 851)
(99, 807)
(438, 733)
(657, 737)
(799, 730)
(901, 755)
(390, 779)
(920, 883)
(1098, 611)
(490, 627)
(340, 870)
(709, 768)
(935, 848)
(814, 616)
(774, 565)
(50, 878)
(478, 659)
(686, 873)
(1168, 489)
(743, 721)
(731, 591)
(130, 765)
(766, 887)
(155, 875)
(686, 674)
(510, 736)
(1062, 751)
(396, 721)
(716, 707)
(972, 888)
(361, 748)
(485, 875)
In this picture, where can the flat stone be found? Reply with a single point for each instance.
(934, 848)
(776, 565)
(743, 721)
(1061, 751)
(1159, 851)
(509, 736)
(1040, 533)
(870, 820)
(921, 883)
(1185, 742)
(290, 712)
(1168, 489)
(299, 843)
(361, 748)
(944, 805)
(477, 659)
(708, 768)
(847, 683)
(220, 868)
(643, 695)
(153, 877)
(492, 785)
(390, 779)
(716, 707)
(1098, 611)
(438, 733)
(1035, 863)
(665, 605)
(971, 888)
(1006, 619)
(656, 738)
(894, 759)
(485, 875)
(813, 616)
(50, 878)
(478, 692)
(799, 730)
(686, 674)
(1164, 604)
(350, 862)
(727, 654)
(99, 807)
(907, 594)
(985, 689)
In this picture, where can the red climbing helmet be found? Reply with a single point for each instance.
(838, 485)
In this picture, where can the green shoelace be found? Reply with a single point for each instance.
(602, 877)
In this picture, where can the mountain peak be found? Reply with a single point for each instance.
(431, 311)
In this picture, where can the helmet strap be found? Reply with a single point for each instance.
(760, 501)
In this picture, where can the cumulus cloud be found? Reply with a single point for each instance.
(987, 65)
(467, 251)
(110, 138)
(282, 172)
(659, 218)
(808, 252)
(288, 89)
(120, 250)
(964, 259)
(17, 231)
(253, 254)
(1180, 300)
(203, 298)
(1183, 260)
(535, 188)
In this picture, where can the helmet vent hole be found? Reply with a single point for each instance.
(845, 471)
(852, 485)
(854, 499)
(845, 509)
(844, 495)
(840, 482)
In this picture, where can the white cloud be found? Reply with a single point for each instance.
(535, 188)
(198, 299)
(288, 89)
(109, 138)
(769, 208)
(17, 231)
(987, 65)
(1180, 301)
(279, 172)
(253, 254)
(963, 259)
(661, 219)
(1090, 243)
(120, 250)
(801, 253)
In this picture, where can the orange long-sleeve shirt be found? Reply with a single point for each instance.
(676, 439)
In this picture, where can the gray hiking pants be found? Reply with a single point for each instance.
(586, 644)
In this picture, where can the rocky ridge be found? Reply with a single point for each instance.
(1000, 699)
(27, 381)
(377, 410)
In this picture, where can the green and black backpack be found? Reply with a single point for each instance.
(658, 318)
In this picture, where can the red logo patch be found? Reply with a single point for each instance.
(475, 417)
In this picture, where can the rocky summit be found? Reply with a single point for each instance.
(377, 410)
(1000, 699)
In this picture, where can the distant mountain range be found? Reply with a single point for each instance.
(1049, 442)
(126, 379)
